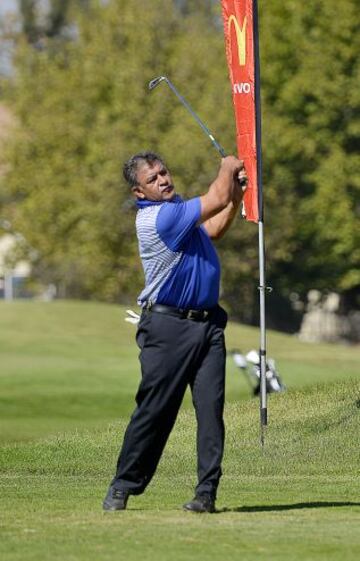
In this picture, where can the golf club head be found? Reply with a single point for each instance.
(156, 81)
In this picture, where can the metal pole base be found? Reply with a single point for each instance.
(263, 416)
(263, 425)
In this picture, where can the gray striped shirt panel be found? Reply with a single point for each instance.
(157, 259)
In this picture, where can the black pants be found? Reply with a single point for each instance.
(176, 352)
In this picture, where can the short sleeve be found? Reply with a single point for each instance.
(176, 221)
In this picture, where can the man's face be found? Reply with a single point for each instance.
(154, 183)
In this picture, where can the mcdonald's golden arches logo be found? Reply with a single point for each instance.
(240, 37)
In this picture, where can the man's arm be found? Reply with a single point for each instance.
(222, 191)
(220, 223)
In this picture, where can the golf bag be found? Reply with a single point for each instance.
(249, 364)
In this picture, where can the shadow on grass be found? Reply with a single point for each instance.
(295, 506)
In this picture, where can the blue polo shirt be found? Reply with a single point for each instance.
(180, 263)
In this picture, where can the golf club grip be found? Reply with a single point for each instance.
(243, 181)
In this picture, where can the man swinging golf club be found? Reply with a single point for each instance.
(181, 329)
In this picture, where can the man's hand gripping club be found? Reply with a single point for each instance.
(220, 205)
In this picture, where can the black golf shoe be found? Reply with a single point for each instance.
(116, 499)
(201, 503)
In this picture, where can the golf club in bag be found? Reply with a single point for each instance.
(249, 364)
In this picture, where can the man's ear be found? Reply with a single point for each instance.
(137, 193)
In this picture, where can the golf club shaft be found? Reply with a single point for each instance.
(182, 100)
(218, 147)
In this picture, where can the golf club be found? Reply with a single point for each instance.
(156, 81)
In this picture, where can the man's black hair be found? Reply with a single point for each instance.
(130, 167)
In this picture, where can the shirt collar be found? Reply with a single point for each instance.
(142, 203)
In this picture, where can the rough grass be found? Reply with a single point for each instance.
(73, 365)
(298, 498)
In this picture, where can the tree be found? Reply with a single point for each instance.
(311, 145)
(83, 107)
(41, 21)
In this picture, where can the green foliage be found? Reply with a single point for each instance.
(311, 97)
(83, 107)
(39, 20)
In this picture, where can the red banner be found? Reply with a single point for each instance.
(238, 16)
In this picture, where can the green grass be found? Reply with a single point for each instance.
(68, 374)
